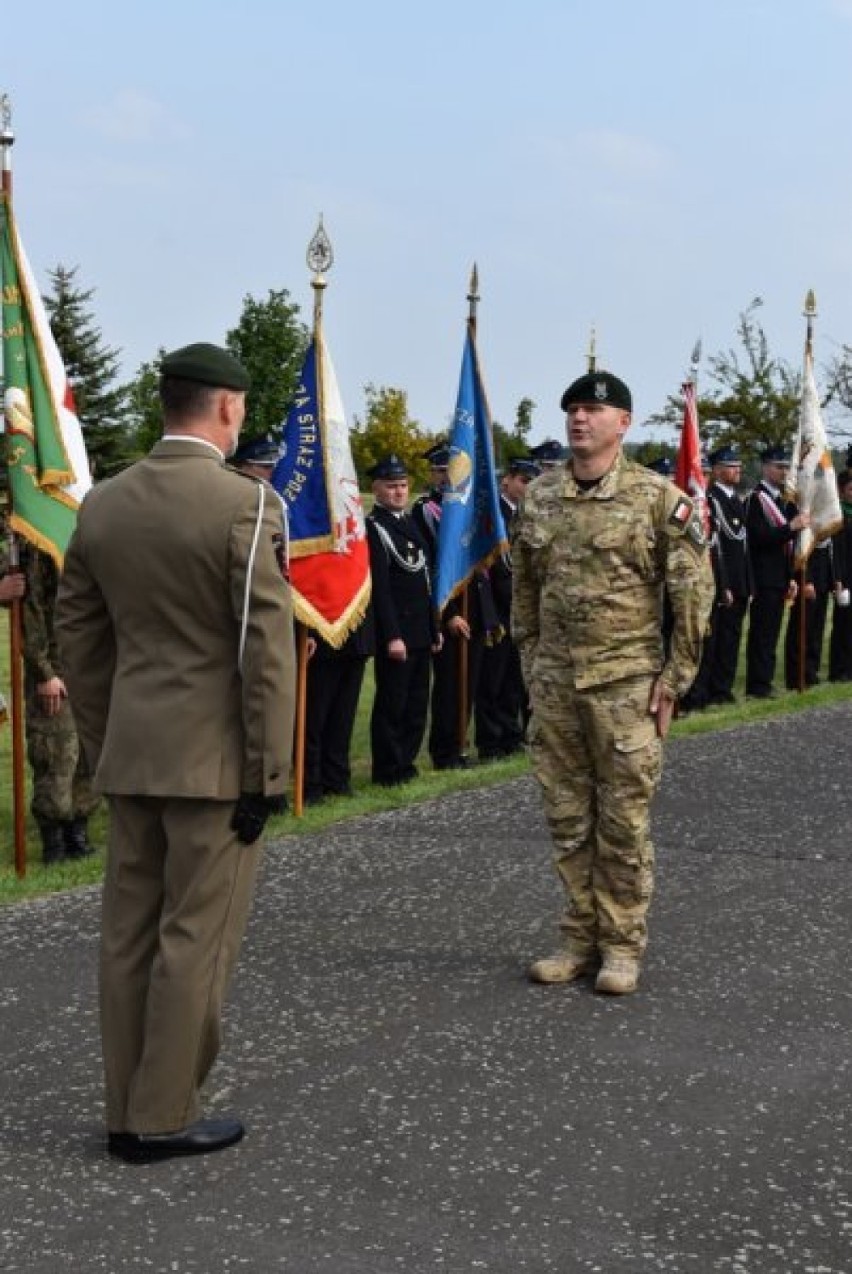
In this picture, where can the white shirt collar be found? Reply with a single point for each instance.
(192, 438)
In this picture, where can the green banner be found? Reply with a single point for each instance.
(37, 459)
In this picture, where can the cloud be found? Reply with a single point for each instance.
(622, 153)
(601, 154)
(131, 117)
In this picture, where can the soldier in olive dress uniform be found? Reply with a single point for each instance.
(594, 546)
(175, 627)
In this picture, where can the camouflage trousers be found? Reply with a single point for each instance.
(62, 788)
(598, 760)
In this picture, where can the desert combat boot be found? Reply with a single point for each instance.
(619, 975)
(564, 966)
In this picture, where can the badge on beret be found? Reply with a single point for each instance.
(600, 391)
(681, 513)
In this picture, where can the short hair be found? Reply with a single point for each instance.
(185, 399)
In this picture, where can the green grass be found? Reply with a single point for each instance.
(367, 799)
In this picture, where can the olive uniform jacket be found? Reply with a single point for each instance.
(176, 630)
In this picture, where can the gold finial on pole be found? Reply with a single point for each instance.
(591, 356)
(320, 258)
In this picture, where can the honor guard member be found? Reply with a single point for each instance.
(501, 697)
(821, 580)
(63, 799)
(335, 677)
(256, 457)
(771, 526)
(840, 642)
(405, 627)
(595, 544)
(549, 454)
(734, 575)
(175, 626)
(444, 743)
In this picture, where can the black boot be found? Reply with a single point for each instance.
(76, 838)
(52, 841)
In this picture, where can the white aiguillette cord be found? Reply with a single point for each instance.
(261, 504)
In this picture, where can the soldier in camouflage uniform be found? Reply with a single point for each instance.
(594, 545)
(62, 795)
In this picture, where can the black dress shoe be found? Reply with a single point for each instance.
(201, 1138)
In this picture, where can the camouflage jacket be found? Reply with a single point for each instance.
(590, 568)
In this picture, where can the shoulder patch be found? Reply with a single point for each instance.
(695, 529)
(681, 513)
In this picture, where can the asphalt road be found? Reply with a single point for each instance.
(415, 1105)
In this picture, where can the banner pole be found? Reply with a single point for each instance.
(16, 643)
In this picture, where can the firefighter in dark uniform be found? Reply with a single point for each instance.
(406, 631)
(501, 697)
(735, 583)
(444, 743)
(335, 677)
(771, 530)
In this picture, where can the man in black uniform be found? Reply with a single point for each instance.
(405, 627)
(840, 643)
(444, 742)
(820, 582)
(335, 677)
(734, 575)
(501, 697)
(770, 530)
(549, 454)
(257, 457)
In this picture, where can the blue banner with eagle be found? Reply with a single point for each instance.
(472, 534)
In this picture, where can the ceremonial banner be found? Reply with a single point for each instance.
(329, 558)
(811, 480)
(472, 533)
(46, 456)
(689, 475)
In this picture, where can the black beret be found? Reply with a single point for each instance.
(257, 451)
(207, 364)
(388, 468)
(549, 451)
(527, 468)
(598, 387)
(775, 454)
(437, 455)
(724, 455)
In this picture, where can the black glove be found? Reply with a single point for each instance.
(251, 812)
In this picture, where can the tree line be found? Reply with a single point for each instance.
(748, 395)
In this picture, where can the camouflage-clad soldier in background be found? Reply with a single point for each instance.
(594, 546)
(62, 794)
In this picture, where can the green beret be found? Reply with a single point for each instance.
(207, 364)
(598, 387)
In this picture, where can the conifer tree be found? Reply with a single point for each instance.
(92, 369)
